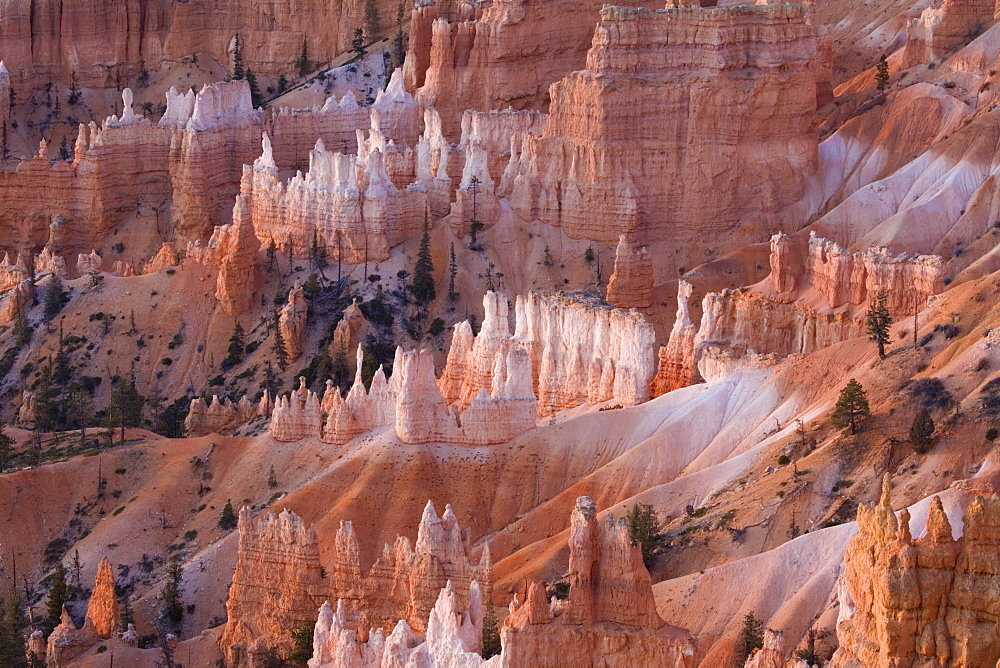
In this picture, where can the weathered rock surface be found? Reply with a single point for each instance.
(771, 655)
(943, 26)
(748, 68)
(237, 247)
(292, 321)
(277, 587)
(67, 642)
(931, 600)
(676, 365)
(102, 610)
(610, 606)
(217, 416)
(631, 284)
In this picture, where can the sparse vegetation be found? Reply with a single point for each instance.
(852, 407)
(644, 529)
(751, 637)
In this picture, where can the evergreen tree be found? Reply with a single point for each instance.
(303, 61)
(234, 354)
(279, 344)
(921, 431)
(6, 448)
(46, 404)
(751, 638)
(358, 44)
(65, 150)
(452, 271)
(272, 478)
(58, 594)
(55, 297)
(882, 74)
(22, 330)
(491, 631)
(400, 36)
(126, 609)
(422, 285)
(809, 654)
(852, 407)
(79, 409)
(879, 322)
(256, 99)
(237, 58)
(172, 605)
(644, 529)
(125, 407)
(302, 648)
(12, 621)
(4, 147)
(228, 519)
(282, 83)
(272, 251)
(372, 22)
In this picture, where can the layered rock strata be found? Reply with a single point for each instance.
(218, 416)
(295, 131)
(461, 57)
(107, 42)
(565, 350)
(646, 158)
(348, 206)
(277, 587)
(730, 336)
(66, 642)
(103, 610)
(631, 284)
(237, 247)
(906, 601)
(942, 27)
(610, 605)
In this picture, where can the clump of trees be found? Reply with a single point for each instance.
(751, 637)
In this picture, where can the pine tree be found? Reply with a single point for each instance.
(358, 44)
(55, 297)
(921, 431)
(279, 343)
(882, 74)
(237, 59)
(272, 251)
(12, 621)
(172, 605)
(6, 448)
(303, 61)
(643, 529)
(751, 638)
(879, 322)
(400, 37)
(65, 150)
(58, 594)
(228, 520)
(4, 147)
(491, 631)
(22, 330)
(852, 407)
(272, 479)
(372, 21)
(79, 409)
(46, 405)
(125, 407)
(302, 647)
(282, 83)
(452, 271)
(255, 97)
(126, 609)
(234, 354)
(422, 285)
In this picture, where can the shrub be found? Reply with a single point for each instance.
(950, 330)
(992, 433)
(783, 460)
(930, 393)
(921, 431)
(436, 327)
(166, 361)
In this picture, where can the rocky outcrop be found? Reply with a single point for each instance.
(942, 27)
(292, 321)
(4, 93)
(676, 364)
(88, 262)
(237, 247)
(347, 205)
(453, 638)
(771, 655)
(165, 257)
(17, 301)
(689, 180)
(67, 642)
(906, 601)
(610, 606)
(277, 587)
(218, 416)
(213, 137)
(857, 278)
(297, 415)
(295, 131)
(461, 57)
(631, 284)
(396, 114)
(102, 610)
(349, 334)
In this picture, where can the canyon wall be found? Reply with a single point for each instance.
(277, 587)
(106, 42)
(926, 601)
(817, 295)
(942, 27)
(722, 125)
(506, 55)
